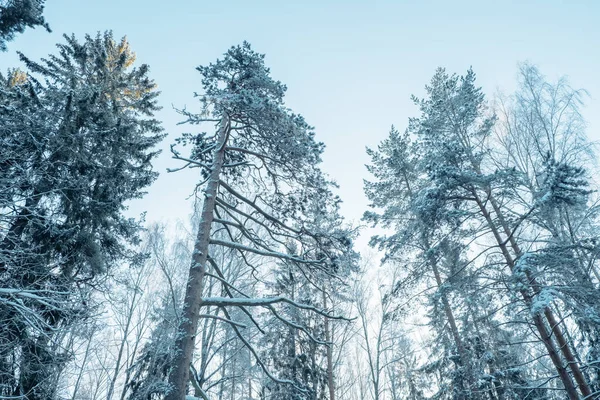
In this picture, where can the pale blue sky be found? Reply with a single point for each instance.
(350, 66)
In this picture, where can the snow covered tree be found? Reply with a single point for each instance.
(454, 131)
(75, 148)
(260, 171)
(301, 349)
(150, 366)
(222, 364)
(16, 15)
(462, 203)
(295, 355)
(541, 134)
(401, 191)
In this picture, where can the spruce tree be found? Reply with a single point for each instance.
(76, 147)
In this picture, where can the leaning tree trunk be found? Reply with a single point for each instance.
(564, 346)
(184, 346)
(537, 319)
(464, 360)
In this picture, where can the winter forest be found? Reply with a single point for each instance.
(479, 278)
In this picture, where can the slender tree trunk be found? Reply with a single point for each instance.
(447, 309)
(232, 393)
(128, 370)
(564, 346)
(83, 362)
(315, 377)
(537, 319)
(462, 353)
(372, 359)
(115, 376)
(291, 350)
(223, 373)
(249, 388)
(179, 377)
(572, 362)
(570, 339)
(328, 339)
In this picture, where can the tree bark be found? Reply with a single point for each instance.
(447, 310)
(537, 319)
(328, 339)
(184, 346)
(564, 346)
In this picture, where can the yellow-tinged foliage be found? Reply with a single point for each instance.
(16, 77)
(119, 55)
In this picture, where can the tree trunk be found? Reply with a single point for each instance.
(115, 376)
(249, 388)
(314, 373)
(462, 353)
(328, 339)
(564, 346)
(223, 373)
(447, 310)
(184, 346)
(81, 370)
(537, 319)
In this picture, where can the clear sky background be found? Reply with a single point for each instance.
(350, 66)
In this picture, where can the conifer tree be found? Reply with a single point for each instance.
(453, 197)
(260, 175)
(293, 355)
(75, 148)
(454, 129)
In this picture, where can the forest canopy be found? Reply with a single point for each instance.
(481, 280)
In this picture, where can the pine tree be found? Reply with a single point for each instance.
(295, 356)
(402, 193)
(447, 193)
(303, 353)
(454, 129)
(260, 171)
